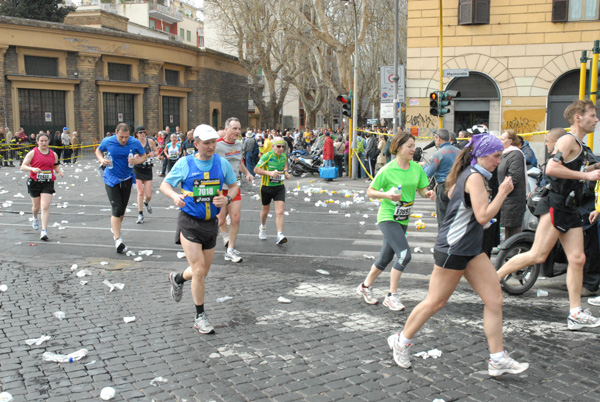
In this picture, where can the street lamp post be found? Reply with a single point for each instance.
(396, 78)
(354, 94)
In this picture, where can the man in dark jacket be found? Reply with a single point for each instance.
(440, 166)
(371, 151)
(250, 151)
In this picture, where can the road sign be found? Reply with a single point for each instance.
(386, 110)
(386, 89)
(371, 122)
(456, 72)
(48, 117)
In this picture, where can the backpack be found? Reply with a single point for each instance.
(360, 146)
(373, 151)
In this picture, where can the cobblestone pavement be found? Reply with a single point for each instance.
(325, 345)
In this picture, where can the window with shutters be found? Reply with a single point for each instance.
(119, 72)
(575, 10)
(172, 77)
(583, 10)
(473, 12)
(37, 65)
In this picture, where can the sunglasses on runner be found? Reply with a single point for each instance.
(278, 146)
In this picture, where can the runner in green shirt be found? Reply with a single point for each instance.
(393, 215)
(273, 169)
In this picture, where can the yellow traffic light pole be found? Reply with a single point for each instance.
(582, 74)
(594, 84)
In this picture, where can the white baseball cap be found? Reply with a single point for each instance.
(205, 133)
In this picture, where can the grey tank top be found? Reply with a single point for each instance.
(460, 233)
(146, 165)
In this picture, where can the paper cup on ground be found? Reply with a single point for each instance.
(107, 393)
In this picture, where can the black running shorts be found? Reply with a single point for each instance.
(197, 230)
(118, 195)
(35, 188)
(272, 193)
(562, 220)
(450, 261)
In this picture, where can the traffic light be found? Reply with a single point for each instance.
(440, 100)
(445, 98)
(434, 103)
(346, 104)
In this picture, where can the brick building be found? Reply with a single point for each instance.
(92, 77)
(523, 59)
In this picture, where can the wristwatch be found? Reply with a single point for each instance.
(229, 199)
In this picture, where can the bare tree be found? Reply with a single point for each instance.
(331, 24)
(310, 44)
(254, 27)
(377, 50)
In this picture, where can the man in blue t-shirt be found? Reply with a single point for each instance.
(118, 154)
(202, 176)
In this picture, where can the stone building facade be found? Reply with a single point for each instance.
(523, 59)
(91, 78)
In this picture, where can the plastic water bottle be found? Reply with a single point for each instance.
(398, 190)
(109, 159)
(490, 223)
(129, 158)
(70, 358)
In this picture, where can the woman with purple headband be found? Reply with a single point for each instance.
(457, 253)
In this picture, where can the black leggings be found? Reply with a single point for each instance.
(394, 242)
(119, 196)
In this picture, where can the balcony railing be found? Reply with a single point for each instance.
(164, 13)
(170, 35)
(97, 4)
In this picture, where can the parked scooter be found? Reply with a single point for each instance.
(521, 281)
(299, 164)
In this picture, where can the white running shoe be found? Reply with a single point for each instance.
(594, 301)
(584, 319)
(225, 238)
(120, 246)
(367, 293)
(262, 232)
(176, 288)
(140, 219)
(232, 256)
(203, 325)
(508, 365)
(35, 224)
(44, 235)
(281, 239)
(393, 302)
(400, 351)
(149, 208)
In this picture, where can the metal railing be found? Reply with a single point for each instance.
(166, 11)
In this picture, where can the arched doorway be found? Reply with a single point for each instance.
(563, 92)
(479, 95)
(215, 119)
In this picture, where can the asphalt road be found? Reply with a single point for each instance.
(80, 224)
